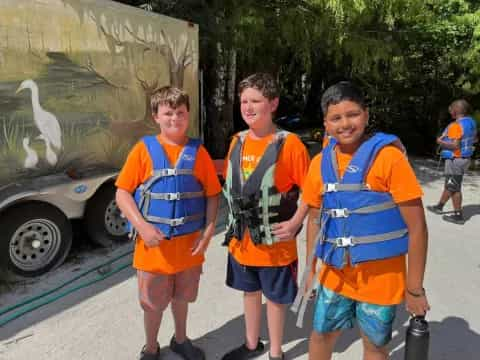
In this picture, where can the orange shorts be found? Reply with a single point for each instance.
(155, 291)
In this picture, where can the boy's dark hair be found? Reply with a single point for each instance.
(169, 95)
(341, 91)
(263, 82)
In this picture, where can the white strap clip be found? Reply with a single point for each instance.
(344, 241)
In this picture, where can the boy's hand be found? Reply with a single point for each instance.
(200, 245)
(286, 230)
(416, 305)
(151, 235)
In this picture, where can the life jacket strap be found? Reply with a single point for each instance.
(175, 196)
(343, 213)
(174, 222)
(158, 174)
(334, 187)
(346, 241)
(299, 305)
(172, 172)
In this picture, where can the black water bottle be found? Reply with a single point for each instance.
(417, 339)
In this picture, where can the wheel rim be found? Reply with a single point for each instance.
(35, 244)
(115, 223)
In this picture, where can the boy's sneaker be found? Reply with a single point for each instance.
(187, 350)
(281, 357)
(456, 218)
(437, 209)
(149, 356)
(243, 352)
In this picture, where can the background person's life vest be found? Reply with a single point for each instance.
(356, 223)
(172, 199)
(469, 136)
(256, 203)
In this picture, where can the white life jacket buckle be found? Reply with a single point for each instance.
(171, 172)
(336, 213)
(331, 187)
(344, 241)
(177, 222)
(172, 196)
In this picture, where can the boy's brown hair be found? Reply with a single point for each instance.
(263, 82)
(171, 96)
(461, 107)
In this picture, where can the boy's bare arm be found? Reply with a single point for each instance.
(211, 215)
(413, 213)
(149, 233)
(312, 229)
(286, 230)
(454, 145)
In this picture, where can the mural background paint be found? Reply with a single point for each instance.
(95, 64)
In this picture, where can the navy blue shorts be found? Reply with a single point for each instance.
(277, 283)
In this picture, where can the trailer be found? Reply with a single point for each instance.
(76, 78)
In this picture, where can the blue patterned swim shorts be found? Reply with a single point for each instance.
(335, 312)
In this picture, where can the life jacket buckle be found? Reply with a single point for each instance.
(336, 213)
(331, 187)
(171, 172)
(172, 196)
(344, 241)
(177, 222)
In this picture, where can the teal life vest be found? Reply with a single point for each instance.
(357, 223)
(172, 199)
(255, 203)
(469, 137)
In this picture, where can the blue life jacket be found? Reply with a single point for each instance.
(469, 136)
(172, 198)
(358, 224)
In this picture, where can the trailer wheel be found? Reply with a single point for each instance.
(104, 223)
(36, 237)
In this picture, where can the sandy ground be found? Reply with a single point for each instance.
(104, 321)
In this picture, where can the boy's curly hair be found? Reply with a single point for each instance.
(169, 95)
(263, 82)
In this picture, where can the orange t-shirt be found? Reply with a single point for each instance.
(173, 255)
(455, 131)
(382, 281)
(291, 169)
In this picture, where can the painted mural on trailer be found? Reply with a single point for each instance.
(76, 78)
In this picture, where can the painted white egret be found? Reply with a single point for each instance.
(45, 121)
(49, 153)
(32, 158)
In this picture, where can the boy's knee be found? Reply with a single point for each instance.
(327, 338)
(154, 306)
(371, 349)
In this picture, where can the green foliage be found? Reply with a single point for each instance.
(412, 57)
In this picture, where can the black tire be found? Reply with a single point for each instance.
(104, 223)
(36, 237)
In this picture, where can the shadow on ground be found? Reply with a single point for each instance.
(451, 338)
(471, 210)
(231, 334)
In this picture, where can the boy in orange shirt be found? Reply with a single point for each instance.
(265, 169)
(457, 149)
(168, 190)
(366, 212)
